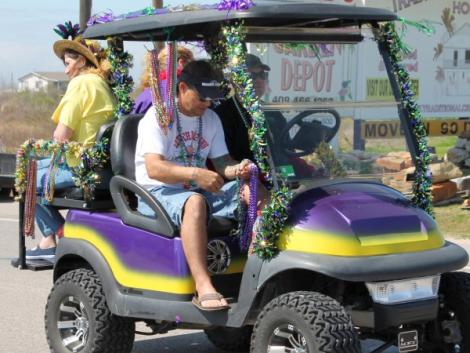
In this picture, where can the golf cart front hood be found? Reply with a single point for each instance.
(358, 219)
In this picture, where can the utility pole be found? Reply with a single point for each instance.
(85, 13)
(158, 4)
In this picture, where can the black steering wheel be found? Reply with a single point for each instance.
(310, 133)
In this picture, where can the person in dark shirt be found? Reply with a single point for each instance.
(235, 119)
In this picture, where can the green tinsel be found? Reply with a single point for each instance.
(273, 215)
(422, 196)
(273, 222)
(236, 53)
(85, 176)
(121, 82)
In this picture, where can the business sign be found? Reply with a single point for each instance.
(304, 74)
(379, 89)
(393, 129)
(440, 62)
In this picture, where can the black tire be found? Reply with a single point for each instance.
(309, 321)
(230, 339)
(77, 303)
(454, 310)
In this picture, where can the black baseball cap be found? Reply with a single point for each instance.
(206, 81)
(253, 61)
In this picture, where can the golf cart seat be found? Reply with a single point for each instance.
(125, 190)
(73, 197)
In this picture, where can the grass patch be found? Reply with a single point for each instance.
(442, 144)
(25, 115)
(453, 221)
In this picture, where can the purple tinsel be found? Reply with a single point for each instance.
(252, 206)
(108, 16)
(102, 17)
(235, 5)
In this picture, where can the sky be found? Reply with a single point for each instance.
(26, 32)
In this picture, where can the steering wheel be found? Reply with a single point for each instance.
(310, 133)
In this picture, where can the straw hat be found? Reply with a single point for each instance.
(90, 49)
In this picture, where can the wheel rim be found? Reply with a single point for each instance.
(73, 324)
(287, 339)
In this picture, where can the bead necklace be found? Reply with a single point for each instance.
(30, 199)
(189, 156)
(247, 219)
(164, 105)
(49, 180)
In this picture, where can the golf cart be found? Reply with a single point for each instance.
(357, 259)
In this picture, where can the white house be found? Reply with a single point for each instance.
(457, 62)
(40, 80)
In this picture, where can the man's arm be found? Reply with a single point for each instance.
(167, 172)
(230, 168)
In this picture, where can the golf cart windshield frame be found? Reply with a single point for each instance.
(271, 21)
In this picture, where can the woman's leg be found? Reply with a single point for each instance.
(48, 218)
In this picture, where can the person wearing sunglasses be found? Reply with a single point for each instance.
(235, 119)
(170, 162)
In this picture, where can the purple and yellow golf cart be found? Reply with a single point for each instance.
(356, 259)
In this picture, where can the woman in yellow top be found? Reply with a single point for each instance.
(87, 104)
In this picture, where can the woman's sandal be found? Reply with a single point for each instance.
(198, 300)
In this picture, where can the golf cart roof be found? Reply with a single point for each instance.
(299, 15)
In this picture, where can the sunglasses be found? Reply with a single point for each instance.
(262, 75)
(212, 100)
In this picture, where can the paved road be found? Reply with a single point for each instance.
(23, 296)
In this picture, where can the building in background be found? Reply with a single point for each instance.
(43, 81)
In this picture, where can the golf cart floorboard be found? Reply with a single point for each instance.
(33, 265)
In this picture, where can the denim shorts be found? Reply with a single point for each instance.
(223, 204)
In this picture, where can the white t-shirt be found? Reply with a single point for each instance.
(151, 139)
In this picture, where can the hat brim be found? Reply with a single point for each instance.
(209, 92)
(264, 67)
(64, 44)
(261, 66)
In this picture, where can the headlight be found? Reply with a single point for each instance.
(403, 291)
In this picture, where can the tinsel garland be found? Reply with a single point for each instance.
(273, 222)
(243, 85)
(121, 81)
(234, 5)
(84, 173)
(223, 5)
(392, 41)
(273, 215)
(108, 16)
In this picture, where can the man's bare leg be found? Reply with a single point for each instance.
(194, 237)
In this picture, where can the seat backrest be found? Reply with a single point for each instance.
(123, 144)
(105, 131)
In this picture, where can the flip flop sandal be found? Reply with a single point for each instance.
(198, 300)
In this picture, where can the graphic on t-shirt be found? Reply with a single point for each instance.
(190, 141)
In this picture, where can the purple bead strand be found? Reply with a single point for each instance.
(252, 207)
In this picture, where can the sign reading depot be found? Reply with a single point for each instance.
(392, 128)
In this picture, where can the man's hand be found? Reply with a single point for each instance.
(208, 180)
(243, 169)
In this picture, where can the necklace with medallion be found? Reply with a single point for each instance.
(190, 155)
